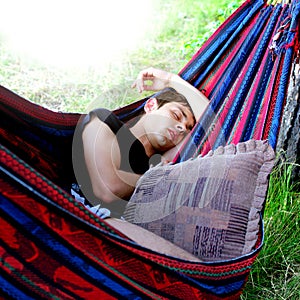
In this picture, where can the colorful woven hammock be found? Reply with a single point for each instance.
(53, 248)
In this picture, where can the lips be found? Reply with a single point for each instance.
(173, 135)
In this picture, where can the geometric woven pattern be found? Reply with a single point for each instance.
(210, 206)
(53, 247)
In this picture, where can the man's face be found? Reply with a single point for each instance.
(168, 125)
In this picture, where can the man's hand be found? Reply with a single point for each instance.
(152, 79)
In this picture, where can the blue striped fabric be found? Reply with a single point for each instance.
(12, 291)
(67, 257)
(210, 56)
(266, 30)
(267, 19)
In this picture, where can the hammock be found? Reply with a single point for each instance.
(52, 247)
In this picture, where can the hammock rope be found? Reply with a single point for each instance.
(244, 83)
(247, 92)
(203, 62)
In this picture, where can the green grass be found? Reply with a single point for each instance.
(276, 272)
(178, 30)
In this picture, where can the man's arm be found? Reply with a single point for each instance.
(160, 79)
(102, 157)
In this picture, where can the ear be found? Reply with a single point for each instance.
(151, 105)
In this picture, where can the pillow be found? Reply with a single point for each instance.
(208, 206)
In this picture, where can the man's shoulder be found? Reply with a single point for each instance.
(103, 113)
(109, 118)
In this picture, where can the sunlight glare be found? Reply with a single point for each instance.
(74, 33)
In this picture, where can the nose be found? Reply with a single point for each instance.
(181, 127)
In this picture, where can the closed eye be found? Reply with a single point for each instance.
(176, 115)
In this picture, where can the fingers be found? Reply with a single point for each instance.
(141, 86)
(147, 75)
(137, 86)
(140, 82)
(151, 79)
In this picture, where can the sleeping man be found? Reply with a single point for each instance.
(109, 157)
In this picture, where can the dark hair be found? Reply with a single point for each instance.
(163, 97)
(169, 94)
